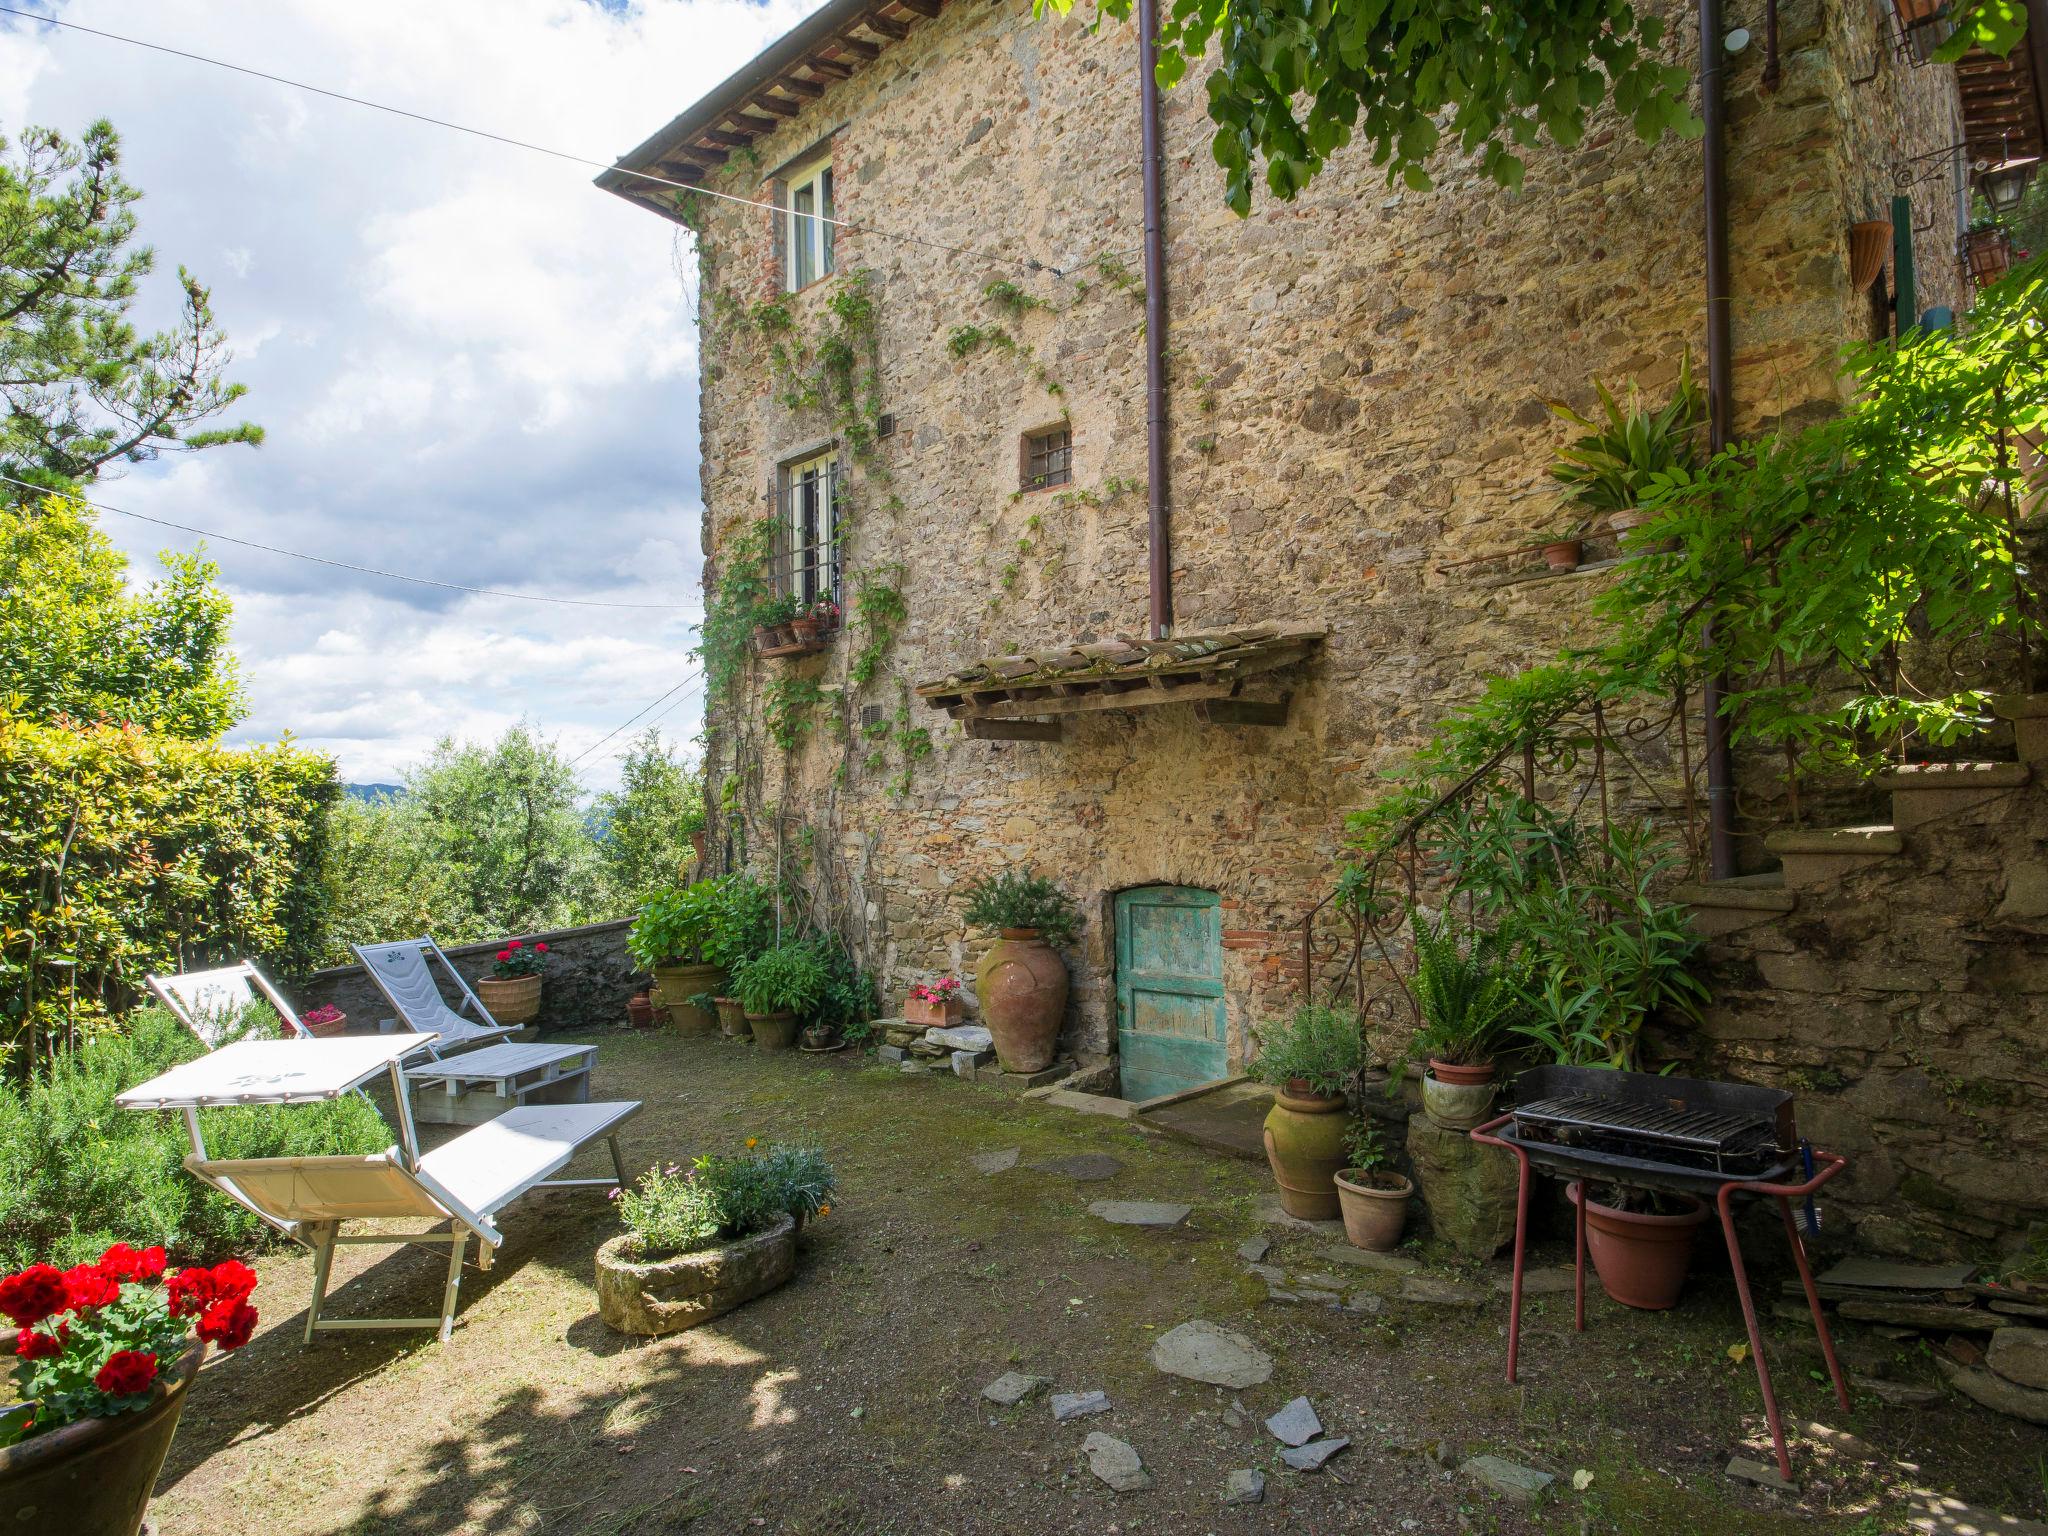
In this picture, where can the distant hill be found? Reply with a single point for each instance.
(373, 791)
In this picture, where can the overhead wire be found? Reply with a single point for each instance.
(344, 565)
(1029, 263)
(608, 735)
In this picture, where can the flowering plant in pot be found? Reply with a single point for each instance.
(324, 1021)
(1021, 981)
(704, 1239)
(814, 620)
(104, 1354)
(1371, 1195)
(936, 1003)
(511, 992)
(1314, 1059)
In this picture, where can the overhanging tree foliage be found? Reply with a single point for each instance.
(82, 388)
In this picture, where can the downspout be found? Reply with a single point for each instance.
(1157, 532)
(1720, 411)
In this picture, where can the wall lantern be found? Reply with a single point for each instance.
(2005, 183)
(1986, 254)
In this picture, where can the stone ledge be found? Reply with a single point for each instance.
(1743, 893)
(1872, 841)
(1956, 776)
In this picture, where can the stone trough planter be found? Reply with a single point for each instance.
(669, 1295)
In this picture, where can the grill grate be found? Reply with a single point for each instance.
(1660, 1131)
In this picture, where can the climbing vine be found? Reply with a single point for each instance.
(879, 610)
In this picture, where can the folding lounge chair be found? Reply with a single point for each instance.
(485, 1074)
(461, 1186)
(209, 1003)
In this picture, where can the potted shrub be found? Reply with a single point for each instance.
(1371, 1195)
(1022, 982)
(511, 993)
(103, 1359)
(1470, 995)
(1607, 472)
(775, 987)
(702, 1240)
(668, 937)
(1313, 1059)
(936, 1004)
(743, 928)
(324, 1022)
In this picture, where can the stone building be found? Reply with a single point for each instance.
(1356, 413)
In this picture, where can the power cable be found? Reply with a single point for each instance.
(344, 565)
(1030, 264)
(608, 735)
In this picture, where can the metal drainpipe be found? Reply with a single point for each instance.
(1158, 534)
(1720, 411)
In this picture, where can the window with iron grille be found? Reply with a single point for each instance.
(1048, 458)
(806, 560)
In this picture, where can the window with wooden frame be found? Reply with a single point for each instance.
(1048, 458)
(807, 228)
(807, 529)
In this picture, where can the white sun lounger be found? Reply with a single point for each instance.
(461, 1186)
(209, 1003)
(401, 973)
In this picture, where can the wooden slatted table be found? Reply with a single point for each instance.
(480, 1085)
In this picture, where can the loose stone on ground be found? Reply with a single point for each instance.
(1747, 1469)
(1245, 1486)
(1253, 1249)
(1310, 1457)
(1084, 1167)
(1936, 1514)
(962, 1037)
(996, 1162)
(1078, 1405)
(1116, 1463)
(1368, 1258)
(1435, 1293)
(1511, 1480)
(1201, 1351)
(1012, 1387)
(1140, 1213)
(1295, 1423)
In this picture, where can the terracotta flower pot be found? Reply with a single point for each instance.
(1022, 984)
(939, 1015)
(639, 1010)
(732, 1018)
(1869, 243)
(675, 985)
(1457, 1097)
(1305, 1148)
(1564, 555)
(1623, 526)
(805, 631)
(1375, 1207)
(773, 1031)
(668, 1295)
(93, 1478)
(510, 999)
(1641, 1258)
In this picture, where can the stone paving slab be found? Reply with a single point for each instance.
(1140, 1213)
(1012, 1387)
(1078, 1405)
(996, 1162)
(1201, 1351)
(1116, 1462)
(1368, 1258)
(1936, 1514)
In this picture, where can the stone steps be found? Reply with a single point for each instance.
(1810, 858)
(1926, 792)
(1728, 906)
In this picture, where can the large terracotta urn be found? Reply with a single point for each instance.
(1022, 984)
(1305, 1146)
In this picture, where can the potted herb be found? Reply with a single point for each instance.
(936, 1004)
(511, 993)
(1606, 472)
(1313, 1059)
(1563, 555)
(103, 1359)
(669, 938)
(775, 987)
(324, 1022)
(702, 1240)
(1469, 991)
(1372, 1196)
(1022, 982)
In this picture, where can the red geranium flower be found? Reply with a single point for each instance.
(126, 1263)
(127, 1373)
(227, 1323)
(34, 1294)
(232, 1280)
(87, 1286)
(516, 944)
(190, 1291)
(540, 949)
(504, 954)
(31, 1345)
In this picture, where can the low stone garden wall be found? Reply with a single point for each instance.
(589, 978)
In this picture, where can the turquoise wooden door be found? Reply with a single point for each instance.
(1169, 989)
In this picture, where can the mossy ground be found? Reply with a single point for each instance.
(847, 1402)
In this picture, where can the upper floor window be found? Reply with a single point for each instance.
(808, 530)
(1048, 458)
(807, 227)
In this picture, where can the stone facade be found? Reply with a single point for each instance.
(589, 978)
(1358, 401)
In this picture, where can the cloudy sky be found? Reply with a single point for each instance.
(472, 365)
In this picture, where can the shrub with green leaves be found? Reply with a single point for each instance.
(77, 1173)
(1014, 899)
(1323, 1047)
(673, 1209)
(791, 978)
(673, 926)
(1468, 982)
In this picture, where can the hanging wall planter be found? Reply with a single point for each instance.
(1564, 555)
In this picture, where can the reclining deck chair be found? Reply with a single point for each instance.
(461, 1186)
(209, 1003)
(485, 1073)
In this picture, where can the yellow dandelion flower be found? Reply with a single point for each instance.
(824, 1210)
(753, 1142)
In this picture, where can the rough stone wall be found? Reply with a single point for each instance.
(1906, 1004)
(589, 978)
(1358, 388)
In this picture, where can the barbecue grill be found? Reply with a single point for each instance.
(1681, 1135)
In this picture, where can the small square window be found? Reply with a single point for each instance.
(1048, 458)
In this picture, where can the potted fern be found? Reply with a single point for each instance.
(1469, 988)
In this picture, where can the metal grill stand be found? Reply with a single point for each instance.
(1829, 1164)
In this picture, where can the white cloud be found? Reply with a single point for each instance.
(470, 361)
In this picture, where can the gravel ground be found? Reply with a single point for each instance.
(849, 1401)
